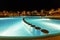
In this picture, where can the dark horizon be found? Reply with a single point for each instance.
(18, 5)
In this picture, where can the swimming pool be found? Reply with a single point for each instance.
(15, 26)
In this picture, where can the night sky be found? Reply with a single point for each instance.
(15, 5)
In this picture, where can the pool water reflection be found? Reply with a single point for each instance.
(17, 27)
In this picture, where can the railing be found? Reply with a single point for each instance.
(38, 29)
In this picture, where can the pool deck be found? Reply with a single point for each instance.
(52, 17)
(45, 38)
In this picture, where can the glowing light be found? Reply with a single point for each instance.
(11, 30)
(6, 18)
(27, 28)
(14, 28)
(44, 19)
(53, 26)
(41, 19)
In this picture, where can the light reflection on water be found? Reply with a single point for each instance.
(16, 27)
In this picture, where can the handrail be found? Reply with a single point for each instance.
(38, 28)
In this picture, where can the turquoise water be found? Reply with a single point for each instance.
(14, 26)
(52, 25)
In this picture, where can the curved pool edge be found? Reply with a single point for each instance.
(46, 36)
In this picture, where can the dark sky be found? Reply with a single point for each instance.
(28, 4)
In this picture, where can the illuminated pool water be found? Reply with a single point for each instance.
(16, 26)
